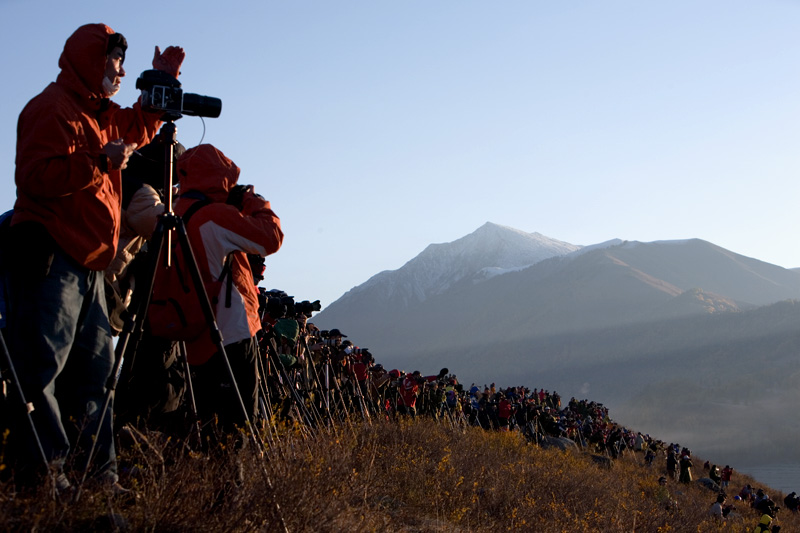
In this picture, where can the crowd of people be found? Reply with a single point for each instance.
(82, 258)
(316, 375)
(678, 467)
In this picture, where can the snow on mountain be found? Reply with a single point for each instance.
(489, 251)
(671, 242)
(606, 244)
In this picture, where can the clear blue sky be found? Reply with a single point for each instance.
(378, 127)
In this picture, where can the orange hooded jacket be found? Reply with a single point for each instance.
(219, 229)
(60, 137)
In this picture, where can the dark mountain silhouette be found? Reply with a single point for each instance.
(670, 333)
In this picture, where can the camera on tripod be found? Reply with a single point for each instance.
(326, 339)
(162, 92)
(307, 308)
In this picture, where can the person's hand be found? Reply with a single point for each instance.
(170, 60)
(236, 196)
(118, 153)
(251, 201)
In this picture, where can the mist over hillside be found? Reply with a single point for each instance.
(715, 381)
(680, 338)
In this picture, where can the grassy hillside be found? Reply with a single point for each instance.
(409, 476)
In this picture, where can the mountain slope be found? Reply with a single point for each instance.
(488, 251)
(716, 380)
(604, 287)
(697, 263)
(686, 324)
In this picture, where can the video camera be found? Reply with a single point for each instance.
(162, 92)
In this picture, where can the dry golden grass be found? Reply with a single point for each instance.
(407, 476)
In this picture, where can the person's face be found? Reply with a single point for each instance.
(114, 70)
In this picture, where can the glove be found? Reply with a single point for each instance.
(170, 61)
(252, 202)
(236, 196)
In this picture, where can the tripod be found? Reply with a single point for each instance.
(170, 225)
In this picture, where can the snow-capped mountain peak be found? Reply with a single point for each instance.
(490, 250)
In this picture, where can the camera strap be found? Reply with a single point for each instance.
(226, 271)
(195, 207)
(202, 201)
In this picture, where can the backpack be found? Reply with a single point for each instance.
(175, 312)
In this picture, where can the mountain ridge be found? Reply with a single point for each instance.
(490, 250)
(580, 308)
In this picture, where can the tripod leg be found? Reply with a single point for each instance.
(134, 325)
(190, 391)
(262, 389)
(294, 396)
(208, 312)
(216, 337)
(264, 399)
(324, 397)
(357, 393)
(26, 405)
(133, 328)
(327, 385)
(292, 385)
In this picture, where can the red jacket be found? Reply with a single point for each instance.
(504, 408)
(60, 137)
(408, 392)
(219, 229)
(360, 370)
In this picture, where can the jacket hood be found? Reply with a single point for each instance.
(204, 168)
(83, 61)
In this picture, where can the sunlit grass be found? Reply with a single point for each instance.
(408, 476)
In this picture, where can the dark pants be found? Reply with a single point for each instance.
(403, 409)
(60, 342)
(214, 391)
(152, 385)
